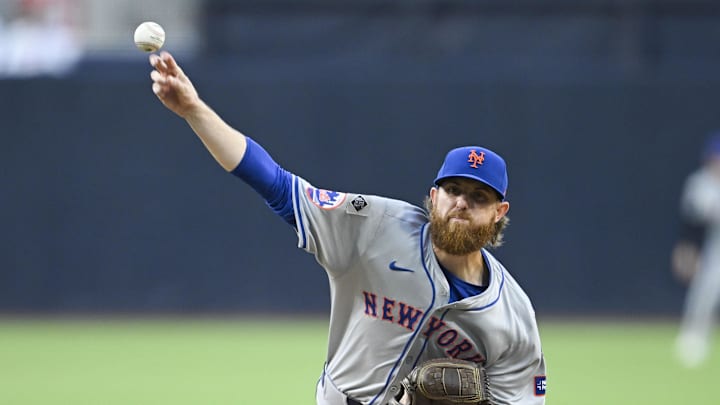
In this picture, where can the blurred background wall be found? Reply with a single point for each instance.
(110, 204)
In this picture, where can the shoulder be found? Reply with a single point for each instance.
(390, 208)
(699, 179)
(511, 288)
(402, 215)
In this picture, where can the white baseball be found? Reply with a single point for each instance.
(149, 36)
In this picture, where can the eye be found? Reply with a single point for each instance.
(483, 196)
(452, 189)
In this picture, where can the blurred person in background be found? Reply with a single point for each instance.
(40, 40)
(696, 256)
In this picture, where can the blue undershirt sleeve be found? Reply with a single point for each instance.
(272, 182)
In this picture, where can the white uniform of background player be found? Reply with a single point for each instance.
(393, 304)
(701, 205)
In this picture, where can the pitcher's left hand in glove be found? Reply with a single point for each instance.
(445, 382)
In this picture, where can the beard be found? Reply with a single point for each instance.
(458, 238)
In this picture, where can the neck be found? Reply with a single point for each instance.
(469, 268)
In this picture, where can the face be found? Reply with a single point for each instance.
(463, 215)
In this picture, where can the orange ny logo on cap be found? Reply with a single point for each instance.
(476, 159)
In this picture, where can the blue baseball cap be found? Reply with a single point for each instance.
(476, 163)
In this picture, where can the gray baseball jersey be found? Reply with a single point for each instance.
(390, 308)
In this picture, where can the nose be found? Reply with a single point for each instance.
(461, 201)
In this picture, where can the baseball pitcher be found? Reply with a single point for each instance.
(422, 312)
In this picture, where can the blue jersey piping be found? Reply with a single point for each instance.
(424, 346)
(502, 283)
(420, 325)
(301, 227)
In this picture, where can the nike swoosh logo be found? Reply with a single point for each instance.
(394, 266)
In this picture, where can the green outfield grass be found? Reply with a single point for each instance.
(247, 361)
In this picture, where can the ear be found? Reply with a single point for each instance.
(502, 209)
(433, 194)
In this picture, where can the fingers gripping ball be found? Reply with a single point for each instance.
(149, 36)
(448, 381)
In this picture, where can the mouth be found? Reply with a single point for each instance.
(458, 219)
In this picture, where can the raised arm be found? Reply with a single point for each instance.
(177, 93)
(235, 152)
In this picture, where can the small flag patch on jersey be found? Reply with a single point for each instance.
(540, 385)
(325, 199)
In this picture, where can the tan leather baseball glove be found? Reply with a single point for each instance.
(445, 381)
